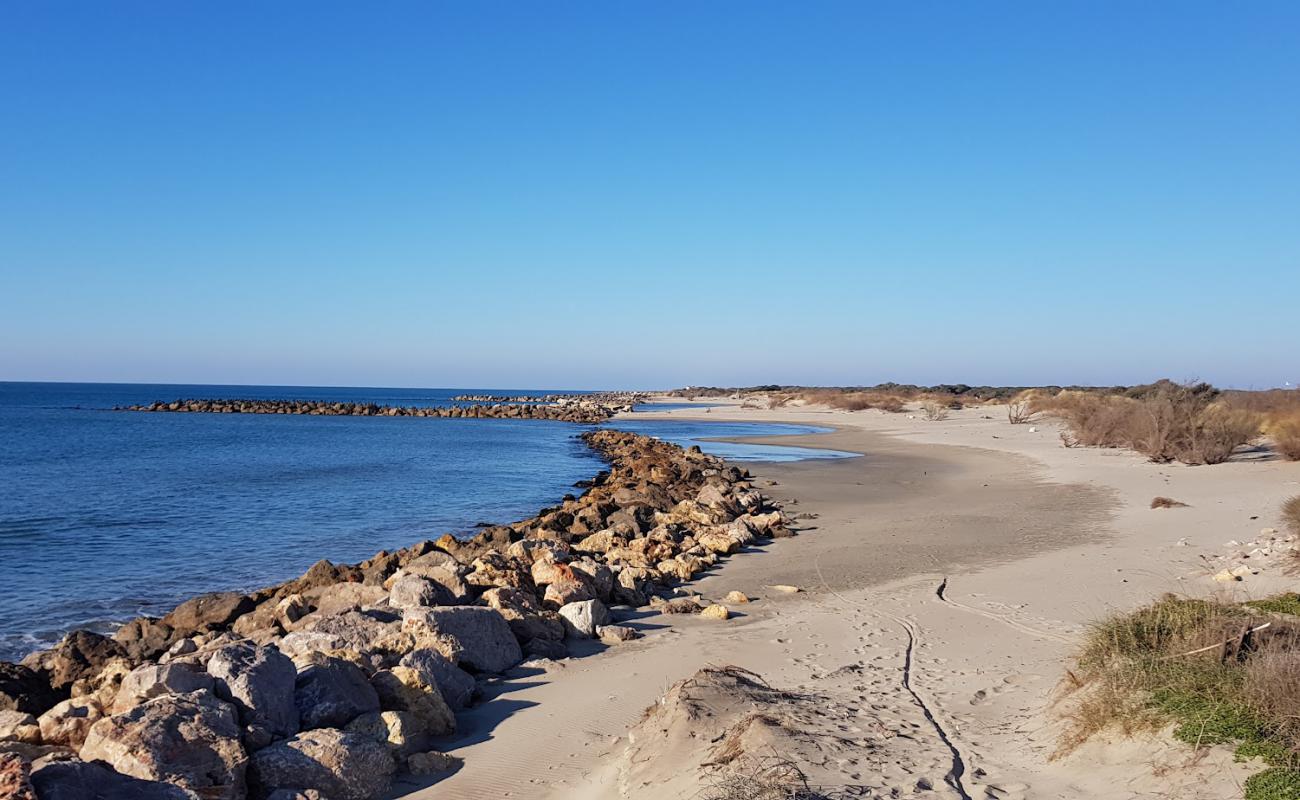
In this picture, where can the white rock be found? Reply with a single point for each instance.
(582, 618)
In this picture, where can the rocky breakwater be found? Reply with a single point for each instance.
(328, 685)
(587, 412)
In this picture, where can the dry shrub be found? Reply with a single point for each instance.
(1025, 406)
(934, 410)
(1164, 421)
(1167, 502)
(771, 778)
(847, 400)
(1284, 429)
(1291, 514)
(1272, 685)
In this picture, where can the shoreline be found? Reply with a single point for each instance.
(945, 577)
(656, 516)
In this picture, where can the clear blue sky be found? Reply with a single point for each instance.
(649, 193)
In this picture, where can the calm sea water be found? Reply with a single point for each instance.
(106, 515)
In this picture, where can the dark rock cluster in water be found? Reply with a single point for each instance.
(584, 409)
(330, 684)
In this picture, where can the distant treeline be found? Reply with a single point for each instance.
(1195, 423)
(906, 390)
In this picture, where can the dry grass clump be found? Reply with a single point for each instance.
(934, 410)
(1284, 430)
(844, 400)
(770, 778)
(1291, 514)
(1165, 421)
(1167, 502)
(1022, 408)
(1222, 673)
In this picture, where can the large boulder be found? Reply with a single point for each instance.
(259, 681)
(561, 593)
(409, 690)
(325, 601)
(582, 619)
(91, 780)
(339, 765)
(154, 680)
(24, 689)
(400, 731)
(81, 654)
(105, 684)
(474, 637)
(524, 614)
(330, 693)
(191, 740)
(19, 726)
(144, 638)
(69, 722)
(448, 575)
(353, 630)
(208, 612)
(455, 684)
(413, 591)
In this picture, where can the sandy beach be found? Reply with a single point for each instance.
(945, 577)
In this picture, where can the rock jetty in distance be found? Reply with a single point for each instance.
(583, 409)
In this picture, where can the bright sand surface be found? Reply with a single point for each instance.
(1034, 541)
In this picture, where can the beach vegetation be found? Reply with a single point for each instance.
(1024, 407)
(767, 778)
(1284, 430)
(934, 410)
(1165, 421)
(1215, 672)
(1291, 514)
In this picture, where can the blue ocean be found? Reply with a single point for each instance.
(106, 515)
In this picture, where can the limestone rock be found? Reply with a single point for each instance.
(79, 655)
(562, 593)
(347, 630)
(400, 731)
(331, 692)
(208, 612)
(259, 682)
(69, 722)
(735, 598)
(581, 619)
(337, 764)
(432, 763)
(615, 634)
(455, 684)
(474, 637)
(191, 740)
(19, 726)
(413, 591)
(406, 689)
(715, 611)
(155, 680)
(144, 638)
(524, 614)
